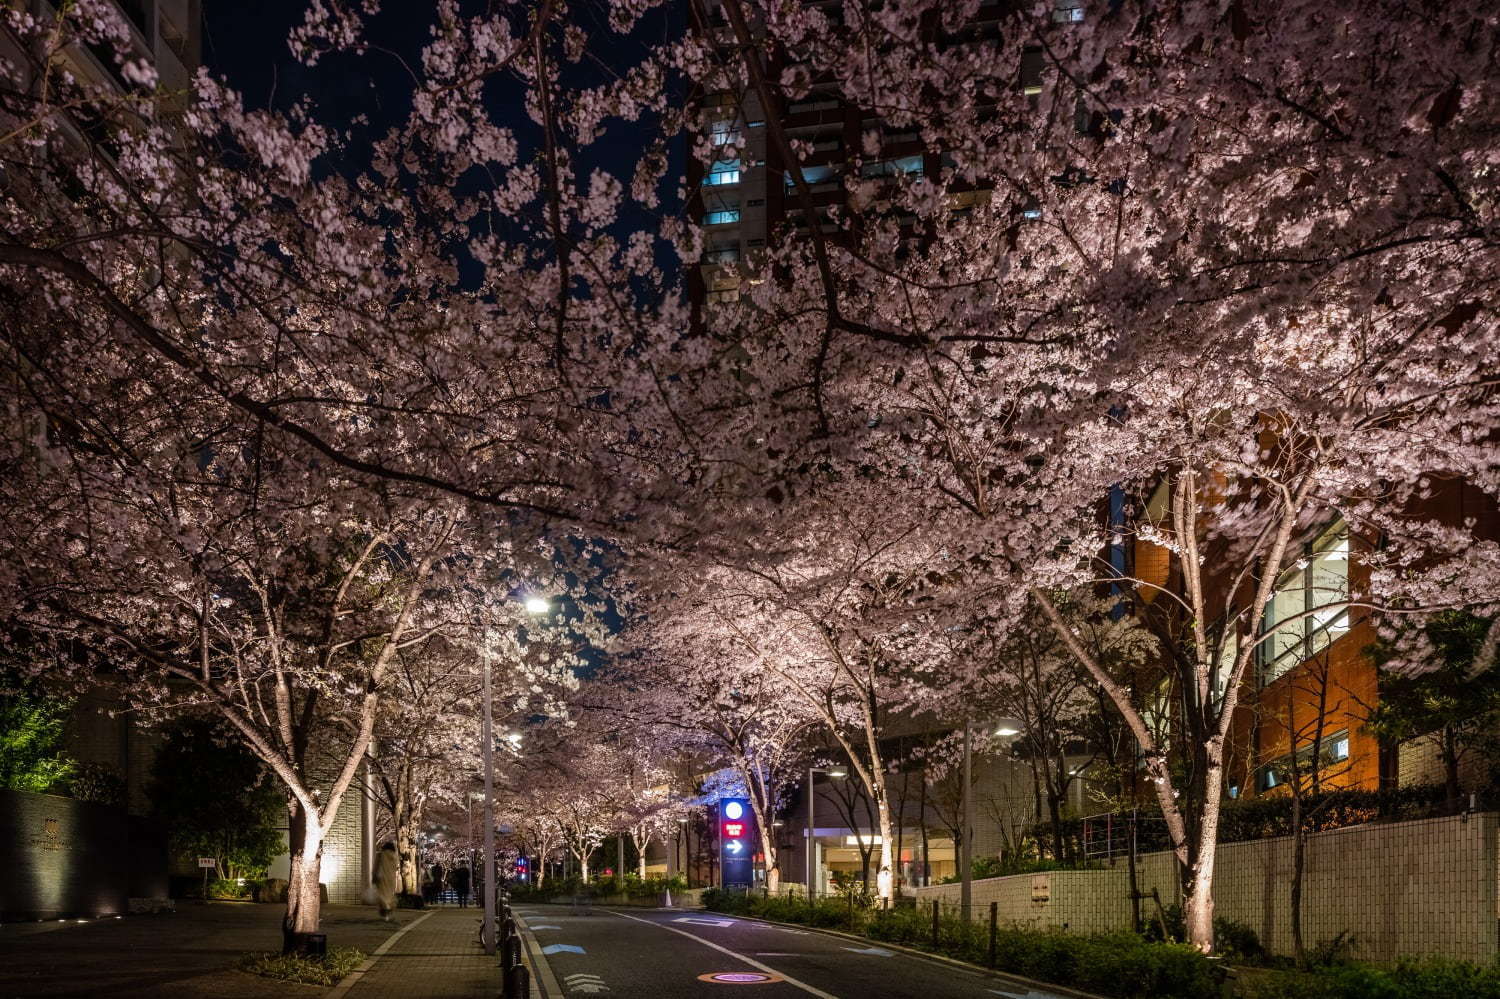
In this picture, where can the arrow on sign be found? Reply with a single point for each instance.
(875, 951)
(735, 846)
(562, 949)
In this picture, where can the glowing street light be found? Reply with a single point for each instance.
(537, 605)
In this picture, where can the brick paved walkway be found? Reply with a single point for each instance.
(438, 956)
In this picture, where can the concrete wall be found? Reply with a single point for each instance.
(1426, 887)
(63, 857)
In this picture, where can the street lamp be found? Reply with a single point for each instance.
(812, 825)
(1005, 728)
(534, 605)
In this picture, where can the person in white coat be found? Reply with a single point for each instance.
(387, 880)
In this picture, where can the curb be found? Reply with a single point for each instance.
(544, 984)
(953, 962)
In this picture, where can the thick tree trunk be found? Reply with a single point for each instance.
(304, 895)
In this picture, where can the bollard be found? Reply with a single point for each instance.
(994, 929)
(516, 982)
(934, 924)
(508, 928)
(510, 952)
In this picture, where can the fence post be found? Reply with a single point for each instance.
(994, 923)
(934, 924)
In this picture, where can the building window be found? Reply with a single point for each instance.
(723, 133)
(910, 165)
(1067, 11)
(723, 172)
(723, 216)
(811, 174)
(1310, 609)
(722, 255)
(1333, 750)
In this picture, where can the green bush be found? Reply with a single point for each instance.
(1434, 978)
(1120, 964)
(329, 970)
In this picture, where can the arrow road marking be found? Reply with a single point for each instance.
(562, 949)
(784, 929)
(544, 926)
(700, 921)
(584, 982)
(874, 951)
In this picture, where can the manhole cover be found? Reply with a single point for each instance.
(739, 978)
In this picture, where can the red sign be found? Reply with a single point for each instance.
(734, 830)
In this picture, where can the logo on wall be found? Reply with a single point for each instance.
(51, 837)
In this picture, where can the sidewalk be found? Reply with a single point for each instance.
(436, 955)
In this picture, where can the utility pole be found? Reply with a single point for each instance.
(966, 838)
(489, 798)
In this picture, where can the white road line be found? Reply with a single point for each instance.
(738, 957)
(543, 981)
(343, 987)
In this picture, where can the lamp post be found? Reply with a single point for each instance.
(1005, 728)
(534, 605)
(812, 825)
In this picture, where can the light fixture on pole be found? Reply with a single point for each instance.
(812, 825)
(1005, 728)
(534, 605)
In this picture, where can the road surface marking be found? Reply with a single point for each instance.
(810, 990)
(585, 982)
(700, 921)
(562, 949)
(342, 988)
(784, 929)
(875, 951)
(1029, 994)
(775, 953)
(546, 926)
(738, 978)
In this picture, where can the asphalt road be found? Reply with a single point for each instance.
(668, 953)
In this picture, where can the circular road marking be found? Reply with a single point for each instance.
(739, 978)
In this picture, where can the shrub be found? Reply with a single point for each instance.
(1120, 964)
(328, 970)
(1233, 941)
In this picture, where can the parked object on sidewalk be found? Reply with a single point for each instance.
(387, 879)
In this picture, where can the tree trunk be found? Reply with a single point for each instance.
(304, 894)
(1450, 769)
(1054, 814)
(1299, 854)
(1198, 903)
(885, 880)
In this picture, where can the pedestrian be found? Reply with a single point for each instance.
(437, 883)
(458, 880)
(387, 880)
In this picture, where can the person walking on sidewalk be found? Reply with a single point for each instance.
(387, 880)
(459, 881)
(436, 889)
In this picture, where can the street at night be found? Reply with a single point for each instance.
(674, 955)
(524, 499)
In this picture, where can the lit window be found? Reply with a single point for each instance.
(722, 217)
(1333, 749)
(910, 165)
(723, 133)
(1067, 11)
(723, 172)
(1310, 609)
(811, 174)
